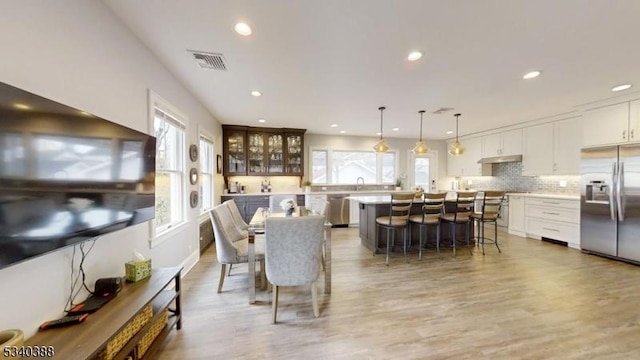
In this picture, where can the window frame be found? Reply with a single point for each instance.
(379, 168)
(202, 134)
(157, 102)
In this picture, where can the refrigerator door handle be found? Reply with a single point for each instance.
(619, 188)
(612, 204)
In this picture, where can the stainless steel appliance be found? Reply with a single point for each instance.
(610, 202)
(338, 209)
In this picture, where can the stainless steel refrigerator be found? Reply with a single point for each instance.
(610, 202)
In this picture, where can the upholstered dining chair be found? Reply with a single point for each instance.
(232, 244)
(488, 213)
(398, 218)
(431, 212)
(460, 215)
(238, 221)
(293, 252)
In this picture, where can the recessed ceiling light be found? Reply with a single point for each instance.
(21, 106)
(243, 29)
(449, 132)
(621, 87)
(395, 129)
(262, 120)
(414, 55)
(256, 93)
(531, 75)
(334, 125)
(342, 132)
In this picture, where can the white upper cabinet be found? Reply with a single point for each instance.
(566, 147)
(512, 142)
(537, 150)
(634, 121)
(502, 144)
(552, 148)
(608, 125)
(467, 163)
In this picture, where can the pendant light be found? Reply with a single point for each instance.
(456, 148)
(380, 146)
(421, 147)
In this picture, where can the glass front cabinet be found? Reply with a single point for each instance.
(234, 149)
(265, 151)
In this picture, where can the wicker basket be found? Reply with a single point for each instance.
(120, 340)
(153, 333)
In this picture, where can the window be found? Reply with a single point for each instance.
(170, 171)
(206, 173)
(421, 172)
(319, 167)
(345, 166)
(424, 171)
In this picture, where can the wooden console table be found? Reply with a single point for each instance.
(86, 340)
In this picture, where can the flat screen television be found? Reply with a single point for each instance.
(67, 176)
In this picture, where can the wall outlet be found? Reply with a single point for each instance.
(563, 183)
(386, 187)
(324, 188)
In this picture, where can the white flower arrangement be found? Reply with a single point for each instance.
(288, 204)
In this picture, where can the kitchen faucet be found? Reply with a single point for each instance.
(358, 182)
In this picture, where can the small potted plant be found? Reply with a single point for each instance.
(398, 184)
(307, 185)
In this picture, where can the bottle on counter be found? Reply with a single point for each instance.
(269, 186)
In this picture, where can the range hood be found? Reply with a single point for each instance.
(500, 159)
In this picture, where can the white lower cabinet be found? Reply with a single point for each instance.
(517, 224)
(557, 219)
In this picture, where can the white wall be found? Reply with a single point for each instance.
(403, 147)
(76, 52)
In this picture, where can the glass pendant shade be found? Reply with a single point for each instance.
(421, 147)
(456, 148)
(380, 145)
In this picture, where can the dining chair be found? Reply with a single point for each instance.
(431, 212)
(488, 213)
(232, 245)
(238, 221)
(293, 252)
(461, 215)
(398, 218)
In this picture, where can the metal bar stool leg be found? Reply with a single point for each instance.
(386, 261)
(420, 250)
(495, 225)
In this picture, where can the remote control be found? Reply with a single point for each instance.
(67, 320)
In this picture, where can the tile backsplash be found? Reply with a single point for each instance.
(508, 176)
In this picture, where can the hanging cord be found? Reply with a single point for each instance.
(73, 293)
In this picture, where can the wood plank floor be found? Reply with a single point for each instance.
(536, 300)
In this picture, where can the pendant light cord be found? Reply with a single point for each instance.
(381, 108)
(421, 113)
(456, 115)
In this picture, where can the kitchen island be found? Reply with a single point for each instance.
(374, 238)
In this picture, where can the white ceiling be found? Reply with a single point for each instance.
(319, 62)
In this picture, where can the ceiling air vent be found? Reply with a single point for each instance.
(442, 110)
(210, 61)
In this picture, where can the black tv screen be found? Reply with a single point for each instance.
(67, 176)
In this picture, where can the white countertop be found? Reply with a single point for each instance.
(364, 192)
(549, 196)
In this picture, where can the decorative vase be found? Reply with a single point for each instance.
(289, 212)
(307, 189)
(8, 338)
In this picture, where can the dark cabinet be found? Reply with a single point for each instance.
(263, 151)
(252, 205)
(234, 150)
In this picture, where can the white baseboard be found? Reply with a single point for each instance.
(190, 262)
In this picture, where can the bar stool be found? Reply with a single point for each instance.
(461, 215)
(489, 212)
(431, 213)
(398, 218)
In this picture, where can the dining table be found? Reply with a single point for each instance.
(256, 227)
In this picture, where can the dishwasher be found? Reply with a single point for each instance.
(338, 210)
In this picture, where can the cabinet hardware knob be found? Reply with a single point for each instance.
(632, 130)
(624, 134)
